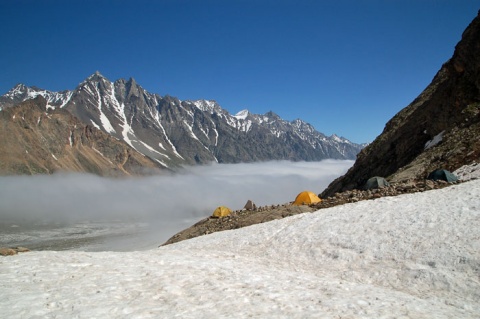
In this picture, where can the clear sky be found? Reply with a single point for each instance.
(345, 66)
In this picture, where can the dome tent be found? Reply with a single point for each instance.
(442, 174)
(221, 211)
(376, 182)
(306, 198)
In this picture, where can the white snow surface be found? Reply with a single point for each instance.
(468, 172)
(410, 256)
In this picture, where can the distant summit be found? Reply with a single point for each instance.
(242, 115)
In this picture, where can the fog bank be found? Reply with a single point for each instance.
(170, 202)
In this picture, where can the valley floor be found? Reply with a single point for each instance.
(409, 256)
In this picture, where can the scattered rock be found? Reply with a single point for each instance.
(239, 219)
(6, 251)
(355, 195)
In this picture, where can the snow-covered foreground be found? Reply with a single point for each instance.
(411, 256)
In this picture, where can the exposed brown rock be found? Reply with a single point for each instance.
(6, 251)
(40, 140)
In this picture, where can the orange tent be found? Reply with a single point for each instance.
(221, 211)
(306, 198)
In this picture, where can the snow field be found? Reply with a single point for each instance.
(410, 256)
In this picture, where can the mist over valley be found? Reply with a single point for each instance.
(88, 212)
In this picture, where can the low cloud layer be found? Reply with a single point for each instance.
(171, 202)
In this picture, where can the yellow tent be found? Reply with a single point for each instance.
(221, 211)
(306, 198)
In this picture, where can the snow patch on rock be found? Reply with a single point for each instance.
(435, 141)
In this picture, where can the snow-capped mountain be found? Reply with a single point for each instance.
(174, 132)
(22, 93)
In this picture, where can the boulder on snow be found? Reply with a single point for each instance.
(21, 249)
(5, 251)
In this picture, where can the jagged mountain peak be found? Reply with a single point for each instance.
(339, 138)
(242, 115)
(21, 92)
(95, 79)
(272, 115)
(133, 88)
(18, 89)
(96, 75)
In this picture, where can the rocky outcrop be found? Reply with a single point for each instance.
(446, 114)
(7, 251)
(36, 139)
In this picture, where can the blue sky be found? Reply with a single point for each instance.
(346, 67)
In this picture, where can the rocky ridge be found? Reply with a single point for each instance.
(244, 217)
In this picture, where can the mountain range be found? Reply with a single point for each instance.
(172, 132)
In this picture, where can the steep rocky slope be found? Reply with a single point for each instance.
(440, 128)
(36, 139)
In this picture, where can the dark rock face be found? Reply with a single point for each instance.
(38, 140)
(448, 107)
